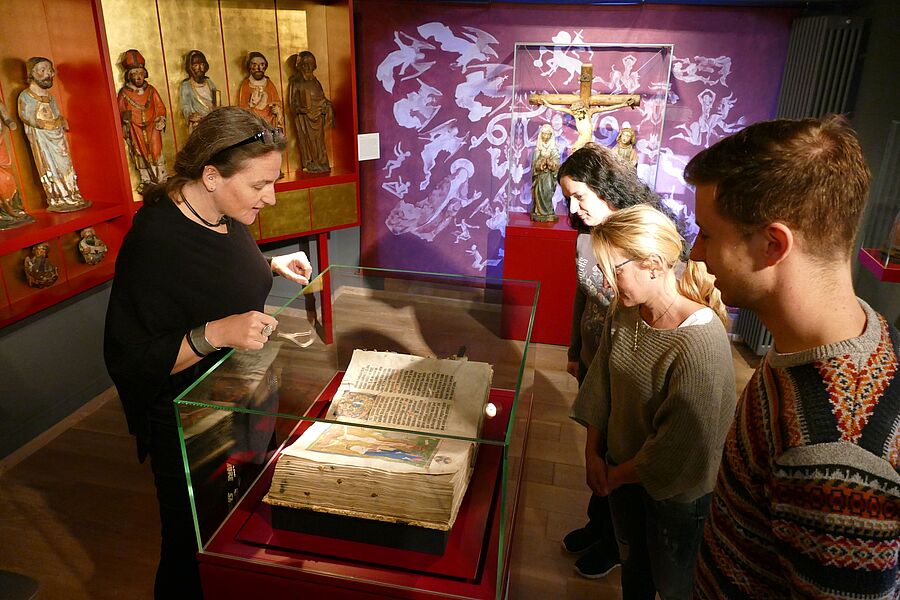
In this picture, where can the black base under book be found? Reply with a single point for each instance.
(354, 529)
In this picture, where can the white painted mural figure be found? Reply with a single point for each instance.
(417, 109)
(443, 138)
(559, 59)
(479, 262)
(475, 45)
(407, 56)
(711, 71)
(400, 155)
(489, 83)
(699, 132)
(431, 215)
(463, 233)
(398, 188)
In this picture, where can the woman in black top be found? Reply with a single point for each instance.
(190, 283)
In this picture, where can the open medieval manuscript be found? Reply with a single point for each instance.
(396, 476)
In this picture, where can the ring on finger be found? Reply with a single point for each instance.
(267, 330)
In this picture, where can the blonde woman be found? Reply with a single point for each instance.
(658, 400)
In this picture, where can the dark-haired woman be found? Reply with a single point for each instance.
(596, 182)
(191, 282)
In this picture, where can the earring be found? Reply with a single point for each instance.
(652, 273)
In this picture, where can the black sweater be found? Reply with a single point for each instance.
(172, 275)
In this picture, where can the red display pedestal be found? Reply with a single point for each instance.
(543, 252)
(873, 260)
(248, 558)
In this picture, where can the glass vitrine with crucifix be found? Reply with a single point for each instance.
(614, 95)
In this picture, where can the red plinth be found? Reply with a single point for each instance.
(248, 558)
(873, 260)
(543, 252)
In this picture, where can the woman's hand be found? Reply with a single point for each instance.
(246, 331)
(572, 368)
(596, 470)
(294, 266)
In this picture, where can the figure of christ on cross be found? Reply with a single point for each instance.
(584, 105)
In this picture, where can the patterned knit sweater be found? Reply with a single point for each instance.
(807, 502)
(667, 405)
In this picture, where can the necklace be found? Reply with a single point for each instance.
(222, 221)
(638, 335)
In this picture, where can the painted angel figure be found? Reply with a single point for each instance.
(406, 57)
(46, 130)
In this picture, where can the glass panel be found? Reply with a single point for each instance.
(239, 417)
(619, 76)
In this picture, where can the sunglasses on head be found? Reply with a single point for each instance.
(266, 136)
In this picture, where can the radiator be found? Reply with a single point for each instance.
(750, 330)
(821, 67)
(884, 201)
(819, 77)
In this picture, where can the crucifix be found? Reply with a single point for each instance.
(584, 105)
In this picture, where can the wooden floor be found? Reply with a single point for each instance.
(78, 513)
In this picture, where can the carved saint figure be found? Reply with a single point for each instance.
(198, 95)
(584, 116)
(39, 271)
(46, 129)
(143, 117)
(12, 213)
(625, 146)
(92, 248)
(313, 112)
(544, 166)
(258, 94)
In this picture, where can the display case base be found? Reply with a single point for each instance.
(354, 529)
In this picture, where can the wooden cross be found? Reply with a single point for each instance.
(584, 105)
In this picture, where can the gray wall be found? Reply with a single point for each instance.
(52, 365)
(877, 104)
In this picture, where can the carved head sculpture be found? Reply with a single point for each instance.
(257, 65)
(196, 65)
(626, 136)
(135, 68)
(40, 70)
(579, 110)
(306, 64)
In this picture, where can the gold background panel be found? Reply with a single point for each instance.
(293, 37)
(250, 26)
(333, 205)
(186, 26)
(129, 25)
(24, 33)
(290, 215)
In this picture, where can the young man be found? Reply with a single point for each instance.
(807, 502)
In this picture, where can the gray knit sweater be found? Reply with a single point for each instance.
(667, 405)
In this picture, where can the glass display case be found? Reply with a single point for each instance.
(239, 417)
(611, 94)
(881, 255)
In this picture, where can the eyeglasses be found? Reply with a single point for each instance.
(617, 268)
(266, 136)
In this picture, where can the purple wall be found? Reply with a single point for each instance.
(435, 81)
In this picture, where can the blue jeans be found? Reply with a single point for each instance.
(658, 542)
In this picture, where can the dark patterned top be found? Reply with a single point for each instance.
(591, 303)
(807, 502)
